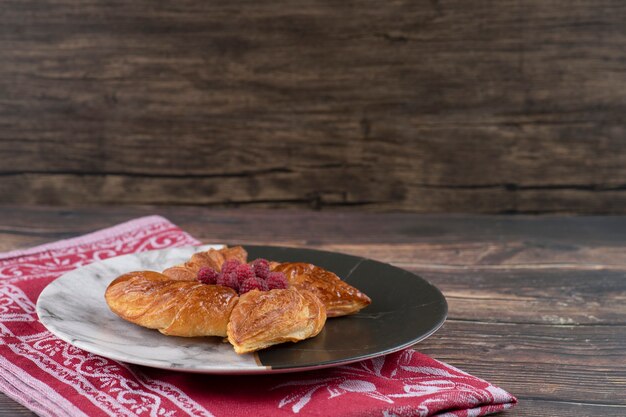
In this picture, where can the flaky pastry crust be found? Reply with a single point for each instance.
(175, 308)
(339, 297)
(265, 318)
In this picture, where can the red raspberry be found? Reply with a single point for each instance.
(230, 265)
(228, 280)
(261, 267)
(277, 280)
(250, 284)
(207, 275)
(244, 272)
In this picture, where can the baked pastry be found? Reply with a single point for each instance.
(199, 298)
(339, 297)
(265, 318)
(254, 321)
(175, 308)
(212, 259)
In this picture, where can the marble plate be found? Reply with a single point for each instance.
(405, 309)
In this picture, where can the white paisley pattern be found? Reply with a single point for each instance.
(391, 379)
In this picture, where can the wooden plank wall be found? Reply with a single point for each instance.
(425, 105)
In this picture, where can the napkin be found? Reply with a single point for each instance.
(54, 378)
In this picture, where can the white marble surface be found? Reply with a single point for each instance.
(73, 308)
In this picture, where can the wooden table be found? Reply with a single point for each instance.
(537, 304)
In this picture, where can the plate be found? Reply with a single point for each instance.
(405, 309)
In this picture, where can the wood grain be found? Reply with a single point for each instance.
(555, 297)
(578, 363)
(540, 311)
(414, 106)
(550, 235)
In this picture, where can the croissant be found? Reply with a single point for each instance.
(265, 318)
(339, 297)
(175, 308)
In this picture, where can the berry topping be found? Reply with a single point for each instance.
(207, 275)
(228, 280)
(244, 277)
(250, 284)
(261, 267)
(230, 265)
(276, 280)
(244, 272)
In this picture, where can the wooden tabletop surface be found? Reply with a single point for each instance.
(537, 305)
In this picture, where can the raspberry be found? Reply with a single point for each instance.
(228, 280)
(207, 275)
(244, 272)
(261, 267)
(230, 265)
(250, 284)
(276, 280)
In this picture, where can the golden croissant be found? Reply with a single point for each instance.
(338, 297)
(265, 318)
(176, 308)
(177, 304)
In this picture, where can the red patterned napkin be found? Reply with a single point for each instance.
(53, 378)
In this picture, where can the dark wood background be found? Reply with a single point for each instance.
(428, 105)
